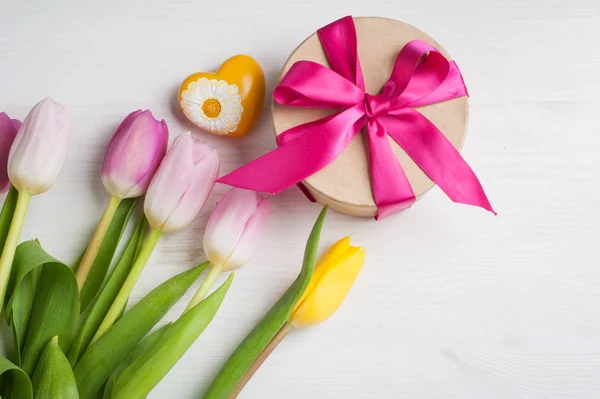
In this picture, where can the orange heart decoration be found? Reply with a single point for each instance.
(227, 102)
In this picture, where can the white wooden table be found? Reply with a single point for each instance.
(453, 302)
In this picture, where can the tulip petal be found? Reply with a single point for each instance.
(329, 290)
(204, 174)
(8, 131)
(330, 257)
(182, 184)
(227, 224)
(250, 236)
(133, 154)
(169, 182)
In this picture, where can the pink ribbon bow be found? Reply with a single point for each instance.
(421, 76)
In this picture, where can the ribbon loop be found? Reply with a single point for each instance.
(341, 48)
(421, 76)
(298, 91)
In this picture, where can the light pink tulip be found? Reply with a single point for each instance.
(40, 147)
(235, 227)
(8, 131)
(133, 154)
(181, 184)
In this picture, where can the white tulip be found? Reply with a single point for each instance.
(39, 150)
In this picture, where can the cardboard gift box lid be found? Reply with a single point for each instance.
(344, 184)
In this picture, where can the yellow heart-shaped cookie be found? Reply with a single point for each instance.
(227, 102)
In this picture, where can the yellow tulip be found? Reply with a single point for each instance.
(334, 274)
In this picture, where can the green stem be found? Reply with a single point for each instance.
(281, 334)
(92, 250)
(209, 281)
(120, 301)
(12, 240)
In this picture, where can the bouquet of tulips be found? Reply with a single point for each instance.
(73, 336)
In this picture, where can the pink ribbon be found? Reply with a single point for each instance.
(421, 76)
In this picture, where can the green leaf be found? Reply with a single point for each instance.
(106, 252)
(55, 307)
(6, 216)
(142, 347)
(30, 304)
(21, 306)
(93, 317)
(137, 380)
(104, 355)
(255, 342)
(108, 387)
(53, 377)
(19, 380)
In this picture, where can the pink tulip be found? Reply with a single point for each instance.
(177, 192)
(235, 227)
(35, 159)
(132, 157)
(8, 131)
(133, 154)
(181, 184)
(40, 147)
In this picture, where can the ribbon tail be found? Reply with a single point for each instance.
(282, 167)
(437, 157)
(292, 134)
(391, 189)
(319, 144)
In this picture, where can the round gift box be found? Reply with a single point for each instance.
(344, 184)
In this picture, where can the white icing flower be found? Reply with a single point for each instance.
(213, 105)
